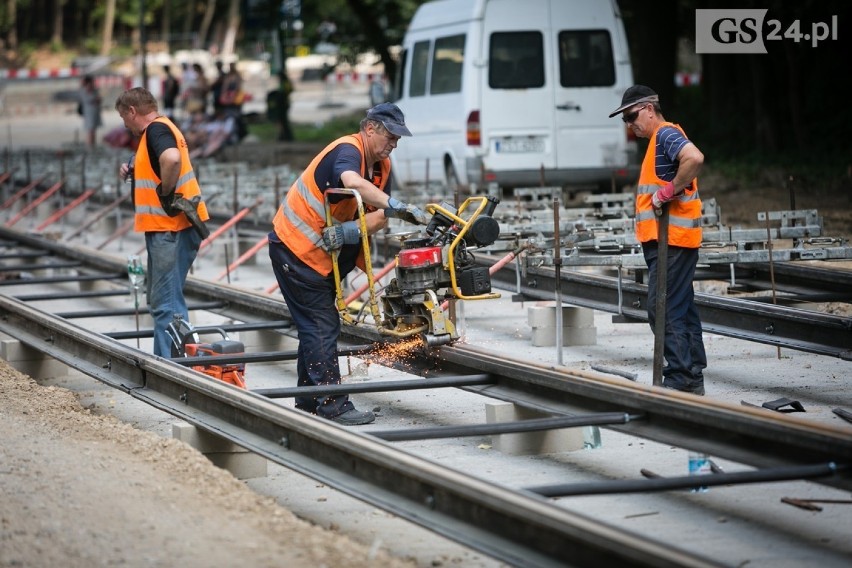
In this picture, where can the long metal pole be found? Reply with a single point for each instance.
(660, 306)
(557, 267)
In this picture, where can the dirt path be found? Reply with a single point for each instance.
(72, 483)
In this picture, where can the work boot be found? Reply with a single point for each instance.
(694, 388)
(354, 417)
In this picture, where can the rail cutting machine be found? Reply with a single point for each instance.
(433, 268)
(187, 343)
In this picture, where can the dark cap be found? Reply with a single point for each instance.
(391, 118)
(635, 95)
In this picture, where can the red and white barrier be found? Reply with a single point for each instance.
(39, 73)
(101, 81)
(353, 77)
(687, 79)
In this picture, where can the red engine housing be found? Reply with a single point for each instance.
(422, 257)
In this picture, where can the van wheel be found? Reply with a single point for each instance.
(451, 177)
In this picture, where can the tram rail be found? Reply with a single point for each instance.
(518, 525)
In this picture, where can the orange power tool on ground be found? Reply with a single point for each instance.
(186, 343)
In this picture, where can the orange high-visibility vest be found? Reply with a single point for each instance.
(301, 217)
(150, 215)
(684, 209)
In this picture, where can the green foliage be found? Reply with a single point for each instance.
(26, 49)
(92, 45)
(302, 132)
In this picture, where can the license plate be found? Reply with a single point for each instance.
(519, 145)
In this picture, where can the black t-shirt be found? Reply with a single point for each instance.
(159, 139)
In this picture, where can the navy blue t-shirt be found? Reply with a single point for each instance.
(670, 141)
(343, 158)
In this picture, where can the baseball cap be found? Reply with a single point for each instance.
(391, 118)
(635, 95)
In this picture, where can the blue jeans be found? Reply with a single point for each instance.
(310, 299)
(683, 345)
(170, 256)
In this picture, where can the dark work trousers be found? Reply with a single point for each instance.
(683, 345)
(310, 299)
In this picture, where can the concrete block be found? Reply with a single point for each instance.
(109, 224)
(577, 325)
(223, 453)
(571, 336)
(95, 285)
(245, 246)
(543, 314)
(32, 362)
(530, 443)
(265, 340)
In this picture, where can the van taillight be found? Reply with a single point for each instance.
(473, 134)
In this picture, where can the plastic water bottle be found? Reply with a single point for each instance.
(135, 271)
(592, 438)
(699, 464)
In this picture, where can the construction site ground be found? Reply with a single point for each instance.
(90, 477)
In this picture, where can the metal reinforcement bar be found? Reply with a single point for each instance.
(790, 473)
(376, 386)
(514, 526)
(497, 428)
(752, 436)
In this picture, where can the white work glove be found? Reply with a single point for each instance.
(406, 212)
(340, 234)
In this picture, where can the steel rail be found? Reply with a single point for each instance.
(782, 326)
(515, 526)
(751, 436)
(742, 318)
(776, 325)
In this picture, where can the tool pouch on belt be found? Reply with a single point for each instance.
(175, 203)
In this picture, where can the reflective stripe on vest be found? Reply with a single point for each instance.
(150, 215)
(684, 210)
(300, 218)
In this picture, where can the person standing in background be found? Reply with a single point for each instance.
(171, 90)
(90, 109)
(216, 86)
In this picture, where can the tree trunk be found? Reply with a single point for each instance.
(109, 21)
(204, 29)
(189, 22)
(652, 36)
(56, 37)
(794, 96)
(12, 37)
(230, 40)
(370, 25)
(164, 30)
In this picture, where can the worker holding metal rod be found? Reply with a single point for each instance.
(668, 191)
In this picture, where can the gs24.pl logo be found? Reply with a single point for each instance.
(744, 31)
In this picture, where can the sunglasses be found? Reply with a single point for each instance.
(631, 118)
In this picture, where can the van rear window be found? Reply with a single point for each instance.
(585, 59)
(516, 60)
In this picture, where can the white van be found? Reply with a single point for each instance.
(514, 92)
